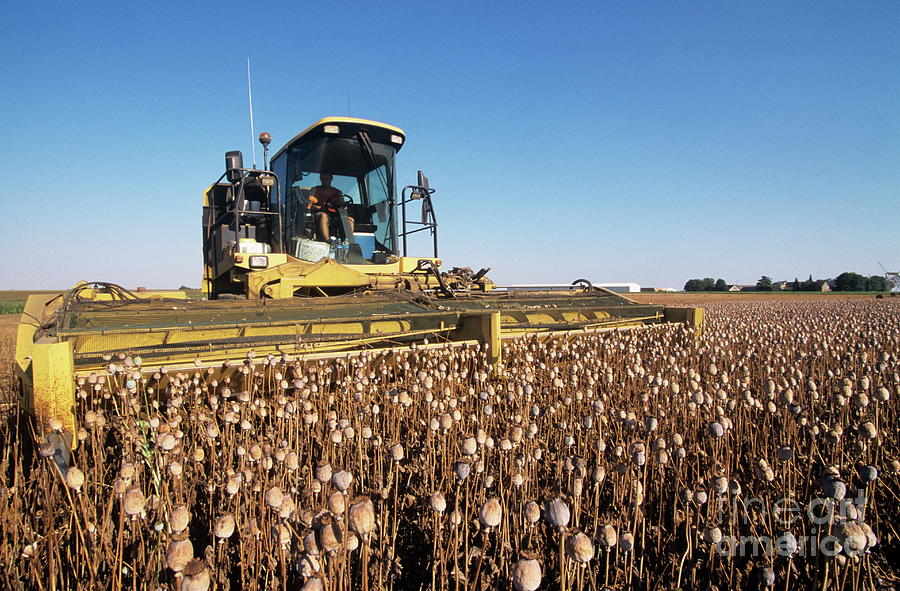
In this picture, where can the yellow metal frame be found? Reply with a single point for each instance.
(281, 281)
(47, 372)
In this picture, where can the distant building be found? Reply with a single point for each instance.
(621, 287)
(658, 290)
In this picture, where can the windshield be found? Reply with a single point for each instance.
(364, 177)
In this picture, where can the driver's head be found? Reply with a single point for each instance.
(325, 178)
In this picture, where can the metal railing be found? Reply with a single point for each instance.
(428, 222)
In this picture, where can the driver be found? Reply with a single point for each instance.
(325, 200)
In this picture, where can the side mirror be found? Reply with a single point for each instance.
(421, 189)
(234, 161)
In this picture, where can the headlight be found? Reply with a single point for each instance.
(259, 262)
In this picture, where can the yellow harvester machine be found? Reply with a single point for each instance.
(272, 285)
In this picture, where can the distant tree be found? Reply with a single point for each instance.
(877, 283)
(693, 285)
(795, 286)
(706, 284)
(764, 283)
(849, 281)
(808, 285)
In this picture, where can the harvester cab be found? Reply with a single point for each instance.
(263, 229)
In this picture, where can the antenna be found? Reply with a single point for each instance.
(348, 104)
(250, 97)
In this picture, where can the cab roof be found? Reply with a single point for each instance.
(347, 128)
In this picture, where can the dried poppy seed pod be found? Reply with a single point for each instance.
(330, 535)
(626, 542)
(134, 502)
(166, 442)
(788, 544)
(233, 485)
(852, 537)
(196, 576)
(712, 535)
(766, 576)
(341, 480)
(362, 516)
(526, 574)
(868, 430)
(868, 473)
(871, 539)
(608, 537)
(224, 526)
(438, 503)
(337, 503)
(720, 485)
(351, 542)
(784, 453)
(310, 546)
(638, 454)
(179, 519)
(179, 552)
(323, 472)
(461, 469)
(274, 497)
(281, 534)
(834, 487)
(455, 517)
(469, 446)
(127, 472)
(397, 453)
(287, 507)
(764, 471)
(557, 513)
(120, 486)
(579, 548)
(532, 512)
(74, 478)
(491, 513)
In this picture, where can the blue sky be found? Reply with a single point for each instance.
(619, 141)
